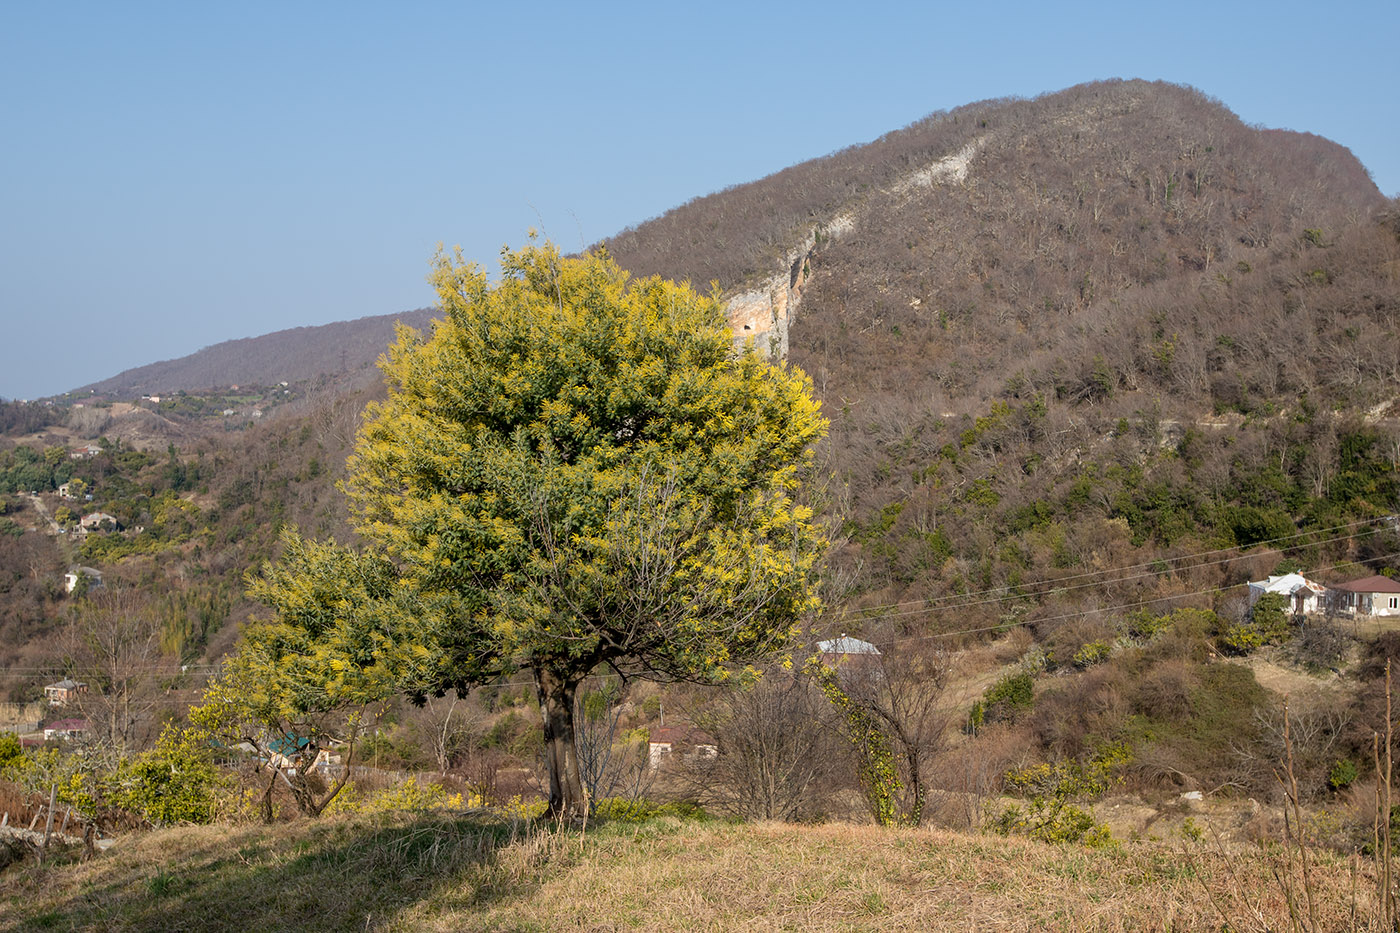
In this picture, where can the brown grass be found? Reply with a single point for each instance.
(480, 873)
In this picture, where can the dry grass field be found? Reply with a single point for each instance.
(478, 872)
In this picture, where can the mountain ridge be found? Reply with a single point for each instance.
(295, 354)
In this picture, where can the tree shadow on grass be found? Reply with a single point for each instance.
(334, 875)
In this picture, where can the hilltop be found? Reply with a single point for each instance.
(1030, 318)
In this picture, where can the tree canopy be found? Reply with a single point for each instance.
(576, 469)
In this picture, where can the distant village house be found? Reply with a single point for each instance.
(1369, 596)
(855, 661)
(93, 521)
(1304, 596)
(686, 741)
(844, 648)
(64, 692)
(66, 730)
(92, 574)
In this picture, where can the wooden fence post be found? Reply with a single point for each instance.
(48, 824)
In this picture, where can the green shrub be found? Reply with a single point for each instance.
(175, 782)
(1051, 814)
(409, 797)
(10, 749)
(639, 810)
(1342, 773)
(1046, 822)
(1095, 652)
(1270, 617)
(1240, 639)
(1267, 625)
(1143, 624)
(976, 717)
(1014, 693)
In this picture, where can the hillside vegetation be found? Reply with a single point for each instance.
(1133, 308)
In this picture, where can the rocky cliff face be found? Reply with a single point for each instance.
(763, 314)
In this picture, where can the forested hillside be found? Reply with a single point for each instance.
(1135, 328)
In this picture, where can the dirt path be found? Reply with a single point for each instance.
(44, 513)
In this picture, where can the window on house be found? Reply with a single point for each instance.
(1395, 602)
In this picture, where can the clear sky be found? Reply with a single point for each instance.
(173, 175)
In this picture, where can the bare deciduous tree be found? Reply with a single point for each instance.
(900, 693)
(595, 727)
(777, 757)
(445, 727)
(113, 646)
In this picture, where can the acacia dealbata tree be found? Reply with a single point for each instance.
(578, 470)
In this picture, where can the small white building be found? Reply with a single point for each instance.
(685, 741)
(66, 730)
(93, 521)
(854, 660)
(846, 645)
(94, 578)
(1304, 596)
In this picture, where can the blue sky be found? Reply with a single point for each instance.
(174, 175)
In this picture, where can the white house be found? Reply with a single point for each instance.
(1304, 596)
(93, 520)
(94, 578)
(67, 730)
(688, 742)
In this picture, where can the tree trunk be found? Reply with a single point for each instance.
(302, 791)
(567, 800)
(267, 796)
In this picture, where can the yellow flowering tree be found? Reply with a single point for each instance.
(310, 678)
(579, 470)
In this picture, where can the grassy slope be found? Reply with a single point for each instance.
(436, 873)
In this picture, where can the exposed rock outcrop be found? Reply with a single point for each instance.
(764, 314)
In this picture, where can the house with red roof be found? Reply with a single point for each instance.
(64, 692)
(67, 730)
(1369, 596)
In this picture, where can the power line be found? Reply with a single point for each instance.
(959, 601)
(1003, 626)
(994, 594)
